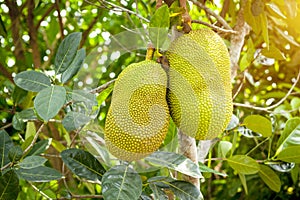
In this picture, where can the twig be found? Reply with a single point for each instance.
(83, 197)
(88, 30)
(276, 104)
(239, 88)
(209, 11)
(34, 138)
(39, 191)
(61, 26)
(44, 16)
(6, 126)
(102, 87)
(214, 27)
(122, 9)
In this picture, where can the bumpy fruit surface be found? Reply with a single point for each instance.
(199, 93)
(138, 118)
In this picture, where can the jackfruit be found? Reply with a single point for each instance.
(138, 118)
(199, 92)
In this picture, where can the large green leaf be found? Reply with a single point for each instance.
(15, 153)
(9, 186)
(39, 174)
(223, 148)
(182, 190)
(5, 144)
(185, 190)
(244, 182)
(259, 124)
(49, 101)
(74, 120)
(83, 164)
(66, 52)
(121, 182)
(290, 135)
(17, 122)
(243, 164)
(85, 97)
(159, 26)
(32, 162)
(270, 178)
(158, 192)
(290, 154)
(176, 162)
(32, 81)
(74, 66)
(40, 147)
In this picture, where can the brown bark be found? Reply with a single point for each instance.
(237, 40)
(14, 14)
(33, 35)
(6, 73)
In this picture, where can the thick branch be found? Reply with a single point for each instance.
(6, 73)
(14, 15)
(33, 35)
(237, 41)
(188, 148)
(60, 21)
(86, 33)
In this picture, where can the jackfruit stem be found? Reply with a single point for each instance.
(150, 51)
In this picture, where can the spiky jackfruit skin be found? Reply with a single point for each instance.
(138, 118)
(199, 93)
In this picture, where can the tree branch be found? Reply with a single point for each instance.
(237, 41)
(45, 15)
(274, 105)
(33, 35)
(214, 27)
(212, 13)
(6, 73)
(102, 87)
(14, 15)
(61, 26)
(85, 34)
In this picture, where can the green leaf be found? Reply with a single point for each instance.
(3, 31)
(32, 81)
(273, 52)
(74, 120)
(243, 164)
(9, 186)
(49, 101)
(159, 26)
(74, 66)
(171, 140)
(32, 162)
(290, 154)
(234, 122)
(40, 147)
(223, 148)
(295, 174)
(204, 168)
(5, 144)
(15, 153)
(27, 114)
(259, 124)
(121, 182)
(66, 52)
(185, 190)
(176, 162)
(290, 135)
(39, 174)
(105, 93)
(85, 97)
(18, 122)
(19, 95)
(264, 27)
(280, 166)
(295, 103)
(244, 182)
(158, 192)
(30, 129)
(83, 164)
(270, 178)
(92, 137)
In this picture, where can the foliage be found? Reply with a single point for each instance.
(58, 64)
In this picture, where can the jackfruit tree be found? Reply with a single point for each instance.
(173, 99)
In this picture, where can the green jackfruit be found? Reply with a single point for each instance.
(199, 93)
(138, 117)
